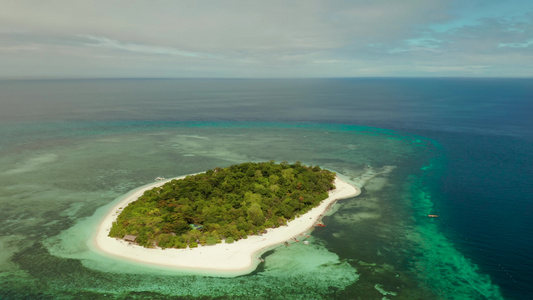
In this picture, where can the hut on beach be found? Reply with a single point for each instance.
(130, 238)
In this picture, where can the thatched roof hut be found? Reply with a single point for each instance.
(130, 238)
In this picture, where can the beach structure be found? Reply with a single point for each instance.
(130, 238)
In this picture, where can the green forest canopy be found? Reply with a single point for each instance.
(223, 204)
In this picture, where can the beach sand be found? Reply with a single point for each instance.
(238, 258)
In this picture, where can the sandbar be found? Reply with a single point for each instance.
(238, 258)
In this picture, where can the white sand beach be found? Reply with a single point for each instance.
(238, 258)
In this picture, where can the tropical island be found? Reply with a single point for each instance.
(224, 204)
(220, 240)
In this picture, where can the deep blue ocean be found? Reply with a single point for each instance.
(477, 163)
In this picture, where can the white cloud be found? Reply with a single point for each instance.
(132, 47)
(462, 68)
(254, 38)
(256, 25)
(516, 45)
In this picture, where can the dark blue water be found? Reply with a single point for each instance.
(482, 126)
(487, 207)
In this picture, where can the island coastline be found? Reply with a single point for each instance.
(237, 258)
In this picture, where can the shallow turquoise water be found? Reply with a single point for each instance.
(58, 179)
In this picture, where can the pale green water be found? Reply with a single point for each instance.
(55, 187)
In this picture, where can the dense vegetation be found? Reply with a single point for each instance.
(223, 204)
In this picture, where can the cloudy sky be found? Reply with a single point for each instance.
(271, 38)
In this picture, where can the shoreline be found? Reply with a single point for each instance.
(237, 258)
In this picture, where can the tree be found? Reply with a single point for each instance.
(255, 214)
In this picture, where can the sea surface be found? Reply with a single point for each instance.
(458, 148)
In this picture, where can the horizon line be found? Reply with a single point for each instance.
(30, 78)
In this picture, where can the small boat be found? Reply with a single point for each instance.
(306, 242)
(286, 244)
(433, 216)
(320, 224)
(159, 178)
